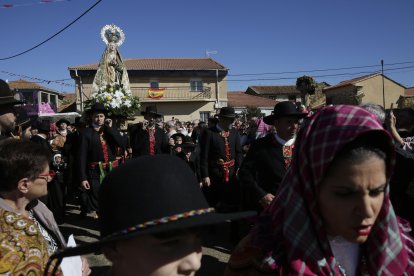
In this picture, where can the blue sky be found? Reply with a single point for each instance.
(250, 37)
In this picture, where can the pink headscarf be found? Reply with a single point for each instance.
(290, 238)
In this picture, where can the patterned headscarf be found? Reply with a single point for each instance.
(291, 233)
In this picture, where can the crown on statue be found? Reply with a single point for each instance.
(112, 33)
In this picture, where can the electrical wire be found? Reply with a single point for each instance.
(56, 34)
(318, 70)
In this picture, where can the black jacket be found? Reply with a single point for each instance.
(140, 142)
(262, 169)
(212, 148)
(90, 148)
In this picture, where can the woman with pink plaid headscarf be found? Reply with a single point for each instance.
(332, 214)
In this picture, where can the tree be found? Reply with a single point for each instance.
(307, 86)
(251, 111)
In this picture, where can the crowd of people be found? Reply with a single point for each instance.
(329, 193)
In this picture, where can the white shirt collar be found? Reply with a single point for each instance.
(284, 142)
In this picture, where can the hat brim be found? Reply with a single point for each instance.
(12, 101)
(232, 116)
(151, 113)
(269, 120)
(189, 222)
(63, 121)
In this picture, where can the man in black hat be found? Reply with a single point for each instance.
(220, 157)
(146, 138)
(7, 112)
(156, 229)
(59, 140)
(43, 135)
(269, 157)
(97, 156)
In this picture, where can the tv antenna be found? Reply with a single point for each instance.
(208, 53)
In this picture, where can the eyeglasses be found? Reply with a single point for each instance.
(48, 177)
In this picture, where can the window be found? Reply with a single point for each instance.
(196, 85)
(28, 97)
(154, 84)
(53, 100)
(204, 115)
(44, 98)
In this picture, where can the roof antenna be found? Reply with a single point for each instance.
(208, 53)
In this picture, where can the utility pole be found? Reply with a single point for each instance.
(383, 86)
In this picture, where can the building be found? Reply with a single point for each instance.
(365, 89)
(240, 101)
(406, 100)
(277, 93)
(184, 88)
(38, 100)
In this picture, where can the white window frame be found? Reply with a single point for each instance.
(197, 87)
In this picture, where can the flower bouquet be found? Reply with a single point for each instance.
(118, 101)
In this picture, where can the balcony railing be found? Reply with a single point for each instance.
(39, 108)
(171, 94)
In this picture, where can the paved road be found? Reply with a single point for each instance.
(216, 244)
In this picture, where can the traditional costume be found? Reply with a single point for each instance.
(290, 237)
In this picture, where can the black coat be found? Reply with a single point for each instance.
(140, 141)
(90, 148)
(212, 148)
(44, 143)
(262, 169)
(194, 161)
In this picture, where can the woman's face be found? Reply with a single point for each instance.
(154, 256)
(38, 187)
(350, 198)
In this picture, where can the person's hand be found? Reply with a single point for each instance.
(85, 185)
(206, 181)
(266, 200)
(86, 270)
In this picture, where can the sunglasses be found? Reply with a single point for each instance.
(48, 177)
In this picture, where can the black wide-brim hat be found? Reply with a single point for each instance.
(227, 112)
(97, 107)
(175, 135)
(6, 95)
(151, 110)
(284, 109)
(148, 195)
(63, 120)
(187, 143)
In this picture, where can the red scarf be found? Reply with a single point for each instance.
(151, 133)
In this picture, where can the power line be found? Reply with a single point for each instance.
(56, 34)
(321, 76)
(319, 70)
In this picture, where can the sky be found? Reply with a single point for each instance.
(257, 40)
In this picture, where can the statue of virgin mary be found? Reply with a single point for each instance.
(111, 69)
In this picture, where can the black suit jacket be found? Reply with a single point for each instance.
(44, 143)
(90, 148)
(262, 169)
(212, 149)
(140, 143)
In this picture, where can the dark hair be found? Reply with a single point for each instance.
(361, 149)
(20, 159)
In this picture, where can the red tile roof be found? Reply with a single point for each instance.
(409, 91)
(274, 90)
(24, 84)
(351, 81)
(162, 64)
(241, 99)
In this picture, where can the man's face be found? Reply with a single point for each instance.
(286, 127)
(98, 118)
(226, 122)
(151, 119)
(7, 118)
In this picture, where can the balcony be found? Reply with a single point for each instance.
(37, 109)
(171, 94)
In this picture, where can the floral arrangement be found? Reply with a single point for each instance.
(306, 84)
(119, 101)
